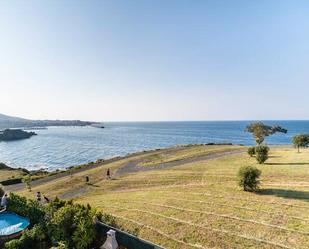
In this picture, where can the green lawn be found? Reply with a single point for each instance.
(199, 205)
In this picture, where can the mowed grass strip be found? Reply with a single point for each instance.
(224, 236)
(159, 232)
(224, 216)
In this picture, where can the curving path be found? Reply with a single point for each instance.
(130, 167)
(133, 166)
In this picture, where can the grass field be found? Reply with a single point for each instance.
(198, 204)
(8, 174)
(181, 153)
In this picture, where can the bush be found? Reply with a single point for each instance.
(73, 225)
(29, 239)
(27, 208)
(1, 192)
(62, 224)
(248, 178)
(11, 181)
(251, 151)
(60, 245)
(14, 244)
(108, 219)
(261, 153)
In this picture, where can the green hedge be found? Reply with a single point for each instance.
(11, 181)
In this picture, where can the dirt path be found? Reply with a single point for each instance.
(130, 167)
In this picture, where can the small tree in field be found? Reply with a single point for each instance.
(248, 178)
(251, 151)
(27, 181)
(261, 153)
(301, 140)
(260, 131)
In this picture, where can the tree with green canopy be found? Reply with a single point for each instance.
(27, 181)
(300, 140)
(260, 131)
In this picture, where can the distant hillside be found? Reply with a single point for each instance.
(15, 122)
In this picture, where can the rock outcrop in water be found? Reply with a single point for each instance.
(15, 134)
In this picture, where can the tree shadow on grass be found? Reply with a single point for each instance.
(286, 193)
(274, 156)
(287, 163)
(93, 184)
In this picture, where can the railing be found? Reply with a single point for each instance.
(125, 239)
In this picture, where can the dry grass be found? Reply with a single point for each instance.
(183, 152)
(199, 205)
(8, 174)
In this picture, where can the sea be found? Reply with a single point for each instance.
(61, 147)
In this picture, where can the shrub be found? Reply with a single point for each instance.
(251, 151)
(11, 181)
(29, 239)
(108, 219)
(84, 233)
(73, 225)
(17, 204)
(60, 245)
(261, 153)
(62, 224)
(1, 192)
(248, 178)
(27, 208)
(14, 244)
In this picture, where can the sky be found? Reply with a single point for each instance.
(154, 60)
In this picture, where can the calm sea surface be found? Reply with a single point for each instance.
(61, 147)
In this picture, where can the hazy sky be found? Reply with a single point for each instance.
(155, 60)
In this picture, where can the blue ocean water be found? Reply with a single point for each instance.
(61, 147)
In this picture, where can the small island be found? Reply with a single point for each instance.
(15, 134)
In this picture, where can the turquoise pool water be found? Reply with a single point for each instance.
(11, 223)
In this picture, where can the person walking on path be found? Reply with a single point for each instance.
(108, 174)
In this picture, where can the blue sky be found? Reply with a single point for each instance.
(154, 60)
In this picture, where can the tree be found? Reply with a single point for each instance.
(248, 178)
(27, 181)
(260, 131)
(301, 140)
(261, 153)
(251, 151)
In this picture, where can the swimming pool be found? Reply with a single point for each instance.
(11, 224)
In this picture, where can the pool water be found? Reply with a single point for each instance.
(11, 223)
